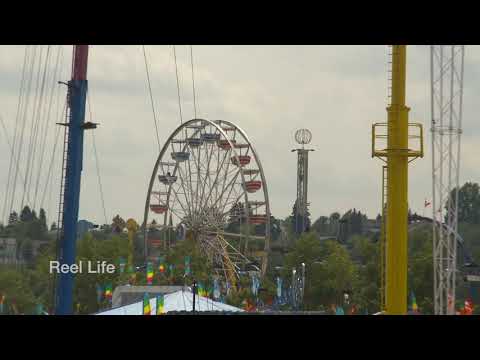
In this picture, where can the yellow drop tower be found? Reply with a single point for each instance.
(397, 155)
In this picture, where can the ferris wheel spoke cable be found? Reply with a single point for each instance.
(23, 120)
(182, 181)
(216, 178)
(19, 105)
(151, 98)
(187, 200)
(207, 177)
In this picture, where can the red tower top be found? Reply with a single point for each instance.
(79, 63)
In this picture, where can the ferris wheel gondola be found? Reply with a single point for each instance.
(208, 178)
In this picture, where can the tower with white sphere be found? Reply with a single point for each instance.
(302, 137)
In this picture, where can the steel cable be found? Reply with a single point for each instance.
(19, 106)
(44, 136)
(151, 97)
(96, 161)
(178, 84)
(23, 121)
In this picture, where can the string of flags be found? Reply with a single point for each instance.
(146, 304)
(149, 273)
(161, 265)
(414, 303)
(160, 304)
(108, 291)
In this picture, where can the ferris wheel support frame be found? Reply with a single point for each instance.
(446, 71)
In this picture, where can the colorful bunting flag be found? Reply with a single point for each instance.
(99, 293)
(339, 311)
(149, 273)
(160, 304)
(122, 264)
(108, 291)
(146, 304)
(187, 266)
(279, 287)
(161, 266)
(200, 289)
(39, 309)
(414, 303)
(353, 309)
(468, 309)
(255, 285)
(2, 301)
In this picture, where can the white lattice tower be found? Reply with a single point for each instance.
(447, 63)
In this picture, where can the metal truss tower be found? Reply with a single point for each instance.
(446, 70)
(303, 137)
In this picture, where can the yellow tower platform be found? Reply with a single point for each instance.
(396, 154)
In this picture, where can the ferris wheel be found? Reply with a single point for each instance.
(208, 181)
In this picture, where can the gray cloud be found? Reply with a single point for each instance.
(269, 91)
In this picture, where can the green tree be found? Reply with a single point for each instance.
(118, 224)
(420, 267)
(365, 254)
(26, 214)
(43, 223)
(468, 203)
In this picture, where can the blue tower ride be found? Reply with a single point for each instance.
(71, 177)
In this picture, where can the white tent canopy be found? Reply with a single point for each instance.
(177, 301)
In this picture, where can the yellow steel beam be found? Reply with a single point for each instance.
(383, 239)
(397, 188)
(396, 153)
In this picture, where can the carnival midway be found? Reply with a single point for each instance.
(208, 242)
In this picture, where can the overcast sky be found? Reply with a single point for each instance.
(270, 91)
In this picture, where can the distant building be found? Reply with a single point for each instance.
(84, 226)
(8, 251)
(12, 254)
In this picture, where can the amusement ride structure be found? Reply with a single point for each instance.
(209, 179)
(447, 63)
(303, 137)
(397, 154)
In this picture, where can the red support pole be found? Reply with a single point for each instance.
(80, 60)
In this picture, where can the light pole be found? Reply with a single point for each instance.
(303, 283)
(294, 286)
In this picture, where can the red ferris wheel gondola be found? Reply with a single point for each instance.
(253, 185)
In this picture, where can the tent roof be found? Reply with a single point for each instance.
(177, 301)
